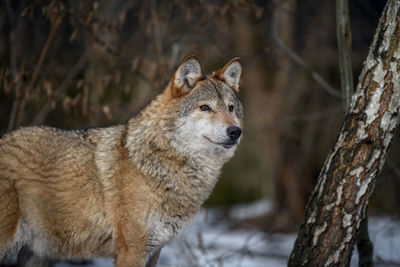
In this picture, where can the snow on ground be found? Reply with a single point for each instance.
(210, 242)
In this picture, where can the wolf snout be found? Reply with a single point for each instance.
(234, 132)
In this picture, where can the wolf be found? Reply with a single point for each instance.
(122, 191)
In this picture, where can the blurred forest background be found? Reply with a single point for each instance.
(78, 64)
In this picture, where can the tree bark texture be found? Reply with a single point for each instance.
(343, 28)
(338, 202)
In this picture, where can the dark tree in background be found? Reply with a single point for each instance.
(338, 202)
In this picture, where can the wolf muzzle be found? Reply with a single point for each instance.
(234, 132)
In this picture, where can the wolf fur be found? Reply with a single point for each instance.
(122, 191)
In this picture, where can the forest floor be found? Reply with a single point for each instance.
(211, 241)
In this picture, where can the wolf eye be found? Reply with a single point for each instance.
(205, 108)
(231, 108)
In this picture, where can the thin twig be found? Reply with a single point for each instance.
(156, 26)
(156, 33)
(15, 25)
(14, 72)
(394, 168)
(75, 70)
(344, 46)
(300, 117)
(299, 61)
(38, 66)
(96, 38)
(10, 12)
(129, 4)
(189, 253)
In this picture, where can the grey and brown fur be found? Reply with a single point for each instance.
(122, 191)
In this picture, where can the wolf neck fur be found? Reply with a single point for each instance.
(151, 152)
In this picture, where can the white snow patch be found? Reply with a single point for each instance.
(258, 208)
(222, 246)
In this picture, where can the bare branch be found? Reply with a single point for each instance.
(156, 27)
(38, 66)
(14, 71)
(75, 70)
(189, 253)
(14, 44)
(344, 46)
(300, 117)
(299, 61)
(394, 168)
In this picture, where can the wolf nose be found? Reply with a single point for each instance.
(234, 132)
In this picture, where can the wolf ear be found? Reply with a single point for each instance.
(186, 76)
(230, 73)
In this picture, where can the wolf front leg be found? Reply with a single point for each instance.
(129, 258)
(154, 258)
(131, 246)
(26, 258)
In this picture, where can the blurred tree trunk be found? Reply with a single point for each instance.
(289, 192)
(343, 30)
(338, 202)
(296, 146)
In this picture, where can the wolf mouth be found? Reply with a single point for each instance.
(226, 145)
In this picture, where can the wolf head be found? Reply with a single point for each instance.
(208, 110)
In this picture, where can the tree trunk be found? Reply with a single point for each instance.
(337, 204)
(364, 244)
(289, 192)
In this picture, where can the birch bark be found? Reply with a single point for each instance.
(337, 204)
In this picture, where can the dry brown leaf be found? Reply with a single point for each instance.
(73, 35)
(48, 88)
(107, 112)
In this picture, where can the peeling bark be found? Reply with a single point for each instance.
(338, 202)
